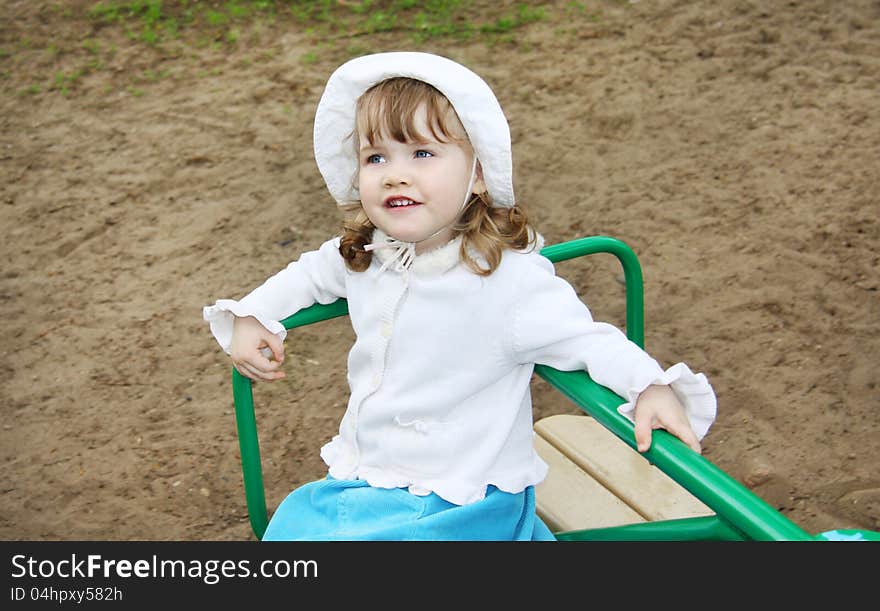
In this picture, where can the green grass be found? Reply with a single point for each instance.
(334, 29)
(32, 89)
(92, 46)
(154, 21)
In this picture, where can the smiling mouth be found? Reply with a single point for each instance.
(401, 202)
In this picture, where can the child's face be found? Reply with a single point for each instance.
(410, 190)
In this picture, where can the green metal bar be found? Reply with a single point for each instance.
(249, 446)
(245, 418)
(705, 528)
(736, 503)
(316, 313)
(632, 273)
(730, 500)
(242, 387)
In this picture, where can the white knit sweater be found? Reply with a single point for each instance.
(440, 370)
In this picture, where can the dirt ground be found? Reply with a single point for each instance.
(734, 145)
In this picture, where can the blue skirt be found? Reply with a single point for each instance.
(352, 510)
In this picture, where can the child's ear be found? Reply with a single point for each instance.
(479, 184)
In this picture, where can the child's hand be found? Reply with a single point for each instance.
(659, 408)
(249, 339)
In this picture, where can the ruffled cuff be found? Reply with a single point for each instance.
(221, 317)
(693, 390)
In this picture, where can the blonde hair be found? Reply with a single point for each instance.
(388, 109)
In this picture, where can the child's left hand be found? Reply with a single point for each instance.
(659, 408)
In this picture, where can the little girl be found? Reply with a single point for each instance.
(452, 306)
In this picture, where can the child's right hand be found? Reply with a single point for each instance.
(249, 338)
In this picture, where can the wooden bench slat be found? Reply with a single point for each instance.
(569, 499)
(619, 468)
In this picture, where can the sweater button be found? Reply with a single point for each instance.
(386, 330)
(376, 379)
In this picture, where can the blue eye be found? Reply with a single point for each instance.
(376, 158)
(423, 154)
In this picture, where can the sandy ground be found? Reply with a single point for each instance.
(733, 145)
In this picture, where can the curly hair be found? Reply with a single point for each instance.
(389, 107)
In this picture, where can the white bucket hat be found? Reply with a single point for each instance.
(472, 98)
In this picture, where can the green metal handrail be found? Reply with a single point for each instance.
(703, 528)
(730, 500)
(740, 514)
(632, 274)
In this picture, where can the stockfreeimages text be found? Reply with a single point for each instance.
(209, 571)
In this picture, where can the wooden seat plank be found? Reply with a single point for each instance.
(617, 467)
(569, 499)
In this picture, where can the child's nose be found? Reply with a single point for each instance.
(395, 175)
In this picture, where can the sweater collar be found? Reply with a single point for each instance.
(435, 261)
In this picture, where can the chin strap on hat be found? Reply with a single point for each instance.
(405, 252)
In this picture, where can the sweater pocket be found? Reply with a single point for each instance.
(425, 447)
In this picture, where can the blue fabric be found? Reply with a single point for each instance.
(352, 510)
